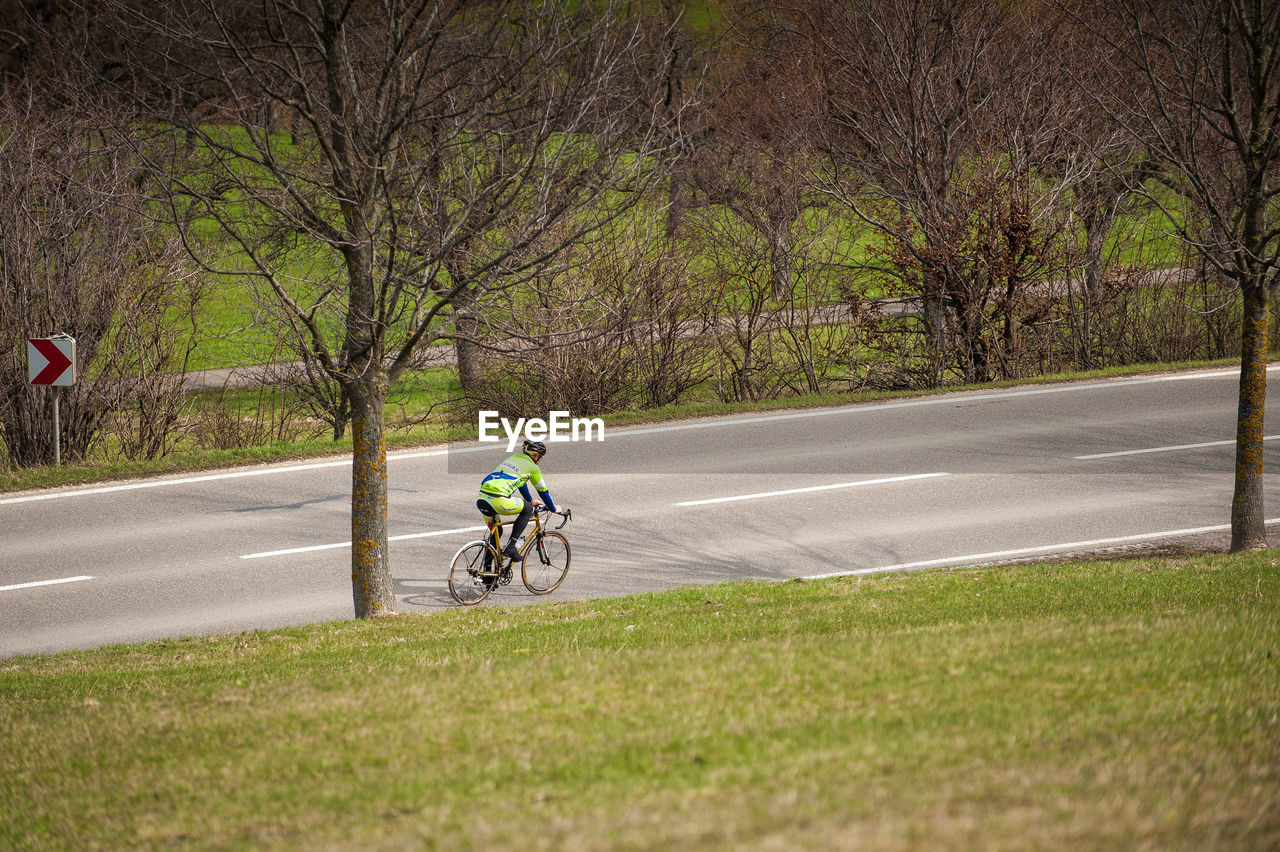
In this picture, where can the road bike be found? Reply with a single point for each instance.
(479, 566)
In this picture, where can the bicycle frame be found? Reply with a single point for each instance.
(470, 582)
(531, 536)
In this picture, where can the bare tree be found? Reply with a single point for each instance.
(1098, 163)
(78, 256)
(663, 62)
(899, 87)
(675, 56)
(916, 107)
(1202, 98)
(438, 144)
(745, 159)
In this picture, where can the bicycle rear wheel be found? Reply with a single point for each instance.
(470, 581)
(545, 563)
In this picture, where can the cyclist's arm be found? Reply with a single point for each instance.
(546, 498)
(543, 492)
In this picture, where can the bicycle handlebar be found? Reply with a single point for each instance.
(567, 514)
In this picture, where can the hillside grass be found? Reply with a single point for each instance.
(1126, 704)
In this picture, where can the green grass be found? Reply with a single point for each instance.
(1074, 705)
(231, 335)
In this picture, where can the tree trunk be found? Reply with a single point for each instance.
(370, 566)
(1095, 232)
(934, 311)
(470, 374)
(675, 205)
(1009, 357)
(1248, 521)
(783, 281)
(468, 354)
(1095, 235)
(341, 414)
(972, 349)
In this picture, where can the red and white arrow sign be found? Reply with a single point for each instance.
(51, 361)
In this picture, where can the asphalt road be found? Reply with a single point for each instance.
(954, 479)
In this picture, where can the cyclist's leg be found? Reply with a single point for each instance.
(493, 521)
(506, 507)
(490, 517)
(521, 521)
(517, 528)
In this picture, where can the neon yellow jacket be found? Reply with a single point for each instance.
(515, 473)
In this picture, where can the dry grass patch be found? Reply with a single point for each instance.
(1119, 703)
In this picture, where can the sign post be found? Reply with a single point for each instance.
(52, 361)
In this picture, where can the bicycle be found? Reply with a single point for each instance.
(544, 561)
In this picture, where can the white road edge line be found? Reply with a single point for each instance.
(810, 488)
(43, 583)
(1166, 449)
(337, 545)
(941, 399)
(1027, 551)
(209, 477)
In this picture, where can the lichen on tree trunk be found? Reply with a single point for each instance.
(1248, 519)
(371, 584)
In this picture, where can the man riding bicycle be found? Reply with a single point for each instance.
(505, 492)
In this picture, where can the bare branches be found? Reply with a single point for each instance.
(1208, 112)
(77, 256)
(443, 152)
(916, 109)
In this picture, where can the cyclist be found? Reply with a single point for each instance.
(501, 493)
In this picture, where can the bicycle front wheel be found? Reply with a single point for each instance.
(471, 578)
(546, 563)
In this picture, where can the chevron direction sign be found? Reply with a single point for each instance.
(51, 361)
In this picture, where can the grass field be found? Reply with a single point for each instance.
(1129, 704)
